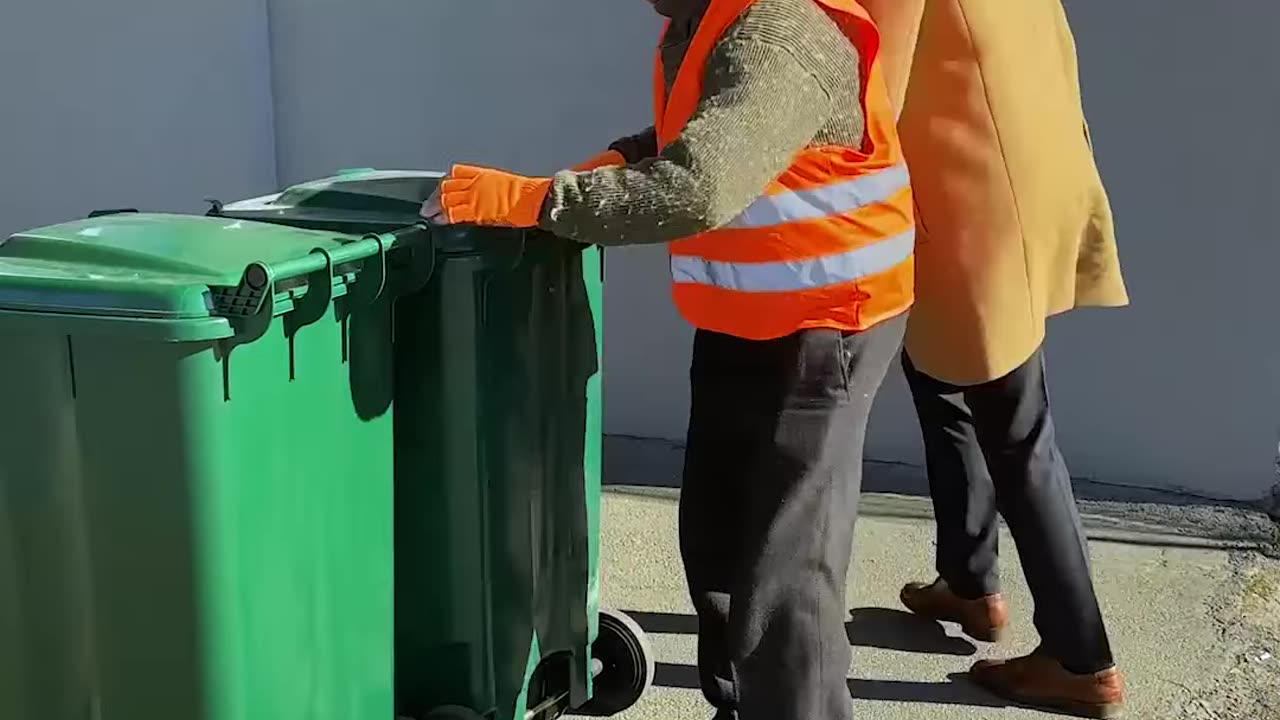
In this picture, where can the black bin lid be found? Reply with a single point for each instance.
(352, 201)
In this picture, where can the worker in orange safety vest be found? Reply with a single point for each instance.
(773, 172)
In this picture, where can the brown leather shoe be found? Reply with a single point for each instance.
(1038, 681)
(982, 619)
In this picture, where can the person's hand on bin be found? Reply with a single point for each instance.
(484, 196)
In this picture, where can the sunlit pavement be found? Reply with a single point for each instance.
(1194, 614)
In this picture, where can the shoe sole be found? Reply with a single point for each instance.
(1061, 707)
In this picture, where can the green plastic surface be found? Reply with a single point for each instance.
(216, 513)
(203, 528)
(160, 275)
(498, 451)
(498, 444)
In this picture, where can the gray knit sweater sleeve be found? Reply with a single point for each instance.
(761, 104)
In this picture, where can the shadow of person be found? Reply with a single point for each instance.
(957, 690)
(658, 623)
(676, 676)
(897, 630)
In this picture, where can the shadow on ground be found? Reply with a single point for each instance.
(867, 627)
(870, 627)
(956, 691)
(888, 629)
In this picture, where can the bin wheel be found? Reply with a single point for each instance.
(626, 665)
(453, 712)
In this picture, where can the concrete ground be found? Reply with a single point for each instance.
(1192, 602)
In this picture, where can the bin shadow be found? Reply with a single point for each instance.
(367, 349)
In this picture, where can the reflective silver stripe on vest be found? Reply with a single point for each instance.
(838, 199)
(795, 275)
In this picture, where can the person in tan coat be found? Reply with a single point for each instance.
(1013, 226)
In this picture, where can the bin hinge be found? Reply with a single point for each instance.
(247, 298)
(250, 305)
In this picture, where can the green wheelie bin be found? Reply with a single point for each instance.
(497, 469)
(196, 469)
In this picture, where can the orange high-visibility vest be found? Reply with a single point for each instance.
(830, 243)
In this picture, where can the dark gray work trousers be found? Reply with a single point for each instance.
(991, 448)
(770, 493)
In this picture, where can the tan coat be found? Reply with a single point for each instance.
(1014, 224)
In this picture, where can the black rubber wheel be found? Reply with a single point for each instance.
(453, 712)
(627, 668)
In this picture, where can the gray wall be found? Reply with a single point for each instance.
(161, 102)
(1181, 390)
(1188, 389)
(531, 85)
(152, 103)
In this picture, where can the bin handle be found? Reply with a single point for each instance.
(250, 304)
(373, 274)
(372, 282)
(423, 259)
(312, 306)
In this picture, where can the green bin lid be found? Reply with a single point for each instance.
(353, 201)
(146, 268)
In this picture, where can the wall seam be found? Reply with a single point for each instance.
(273, 105)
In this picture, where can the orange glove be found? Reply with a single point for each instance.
(482, 196)
(608, 158)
